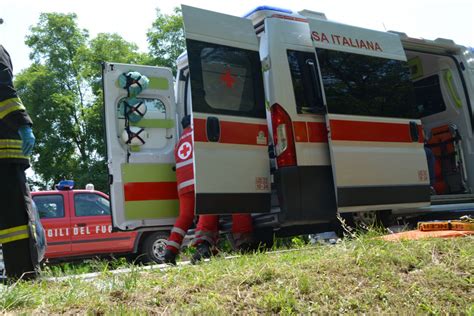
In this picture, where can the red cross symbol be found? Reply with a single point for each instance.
(228, 79)
(184, 150)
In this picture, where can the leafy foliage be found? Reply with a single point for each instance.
(63, 95)
(166, 38)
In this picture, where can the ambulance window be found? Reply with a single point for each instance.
(49, 206)
(307, 98)
(429, 99)
(225, 80)
(91, 204)
(365, 85)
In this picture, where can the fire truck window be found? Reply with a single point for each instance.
(364, 85)
(49, 206)
(225, 80)
(429, 99)
(306, 100)
(91, 204)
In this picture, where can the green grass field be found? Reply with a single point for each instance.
(362, 275)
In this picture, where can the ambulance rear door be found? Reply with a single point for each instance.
(140, 149)
(232, 173)
(375, 136)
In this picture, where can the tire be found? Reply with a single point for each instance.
(367, 220)
(154, 247)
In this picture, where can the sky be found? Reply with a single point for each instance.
(430, 19)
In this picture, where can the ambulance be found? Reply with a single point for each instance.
(296, 119)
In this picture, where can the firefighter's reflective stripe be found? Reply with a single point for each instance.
(10, 143)
(185, 184)
(178, 231)
(184, 163)
(10, 105)
(173, 244)
(11, 148)
(14, 234)
(12, 153)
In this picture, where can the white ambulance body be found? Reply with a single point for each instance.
(296, 118)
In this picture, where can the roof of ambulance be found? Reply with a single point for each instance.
(260, 12)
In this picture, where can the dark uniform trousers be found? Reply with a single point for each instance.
(15, 232)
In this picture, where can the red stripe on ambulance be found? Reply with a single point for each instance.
(301, 132)
(372, 131)
(317, 132)
(147, 191)
(313, 132)
(234, 133)
(199, 130)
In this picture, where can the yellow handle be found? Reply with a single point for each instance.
(448, 77)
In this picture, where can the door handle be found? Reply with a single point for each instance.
(414, 133)
(213, 129)
(81, 225)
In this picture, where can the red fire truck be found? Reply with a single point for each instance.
(78, 223)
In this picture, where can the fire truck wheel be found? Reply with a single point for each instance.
(154, 247)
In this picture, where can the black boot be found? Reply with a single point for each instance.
(169, 257)
(203, 251)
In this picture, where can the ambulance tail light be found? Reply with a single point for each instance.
(283, 137)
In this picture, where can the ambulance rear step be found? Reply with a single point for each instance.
(452, 199)
(260, 220)
(454, 209)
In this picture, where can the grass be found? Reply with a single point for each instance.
(362, 275)
(84, 266)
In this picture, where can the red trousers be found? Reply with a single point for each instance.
(183, 222)
(208, 227)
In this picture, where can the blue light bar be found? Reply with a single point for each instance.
(266, 7)
(65, 185)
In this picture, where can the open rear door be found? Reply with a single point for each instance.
(375, 138)
(232, 170)
(142, 181)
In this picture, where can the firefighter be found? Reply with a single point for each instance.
(17, 231)
(185, 179)
(207, 233)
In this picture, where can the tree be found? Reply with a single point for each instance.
(112, 48)
(166, 38)
(49, 105)
(62, 93)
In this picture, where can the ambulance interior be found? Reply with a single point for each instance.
(446, 118)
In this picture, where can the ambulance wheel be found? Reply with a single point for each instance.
(154, 247)
(370, 219)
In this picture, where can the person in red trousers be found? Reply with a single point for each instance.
(207, 233)
(185, 180)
